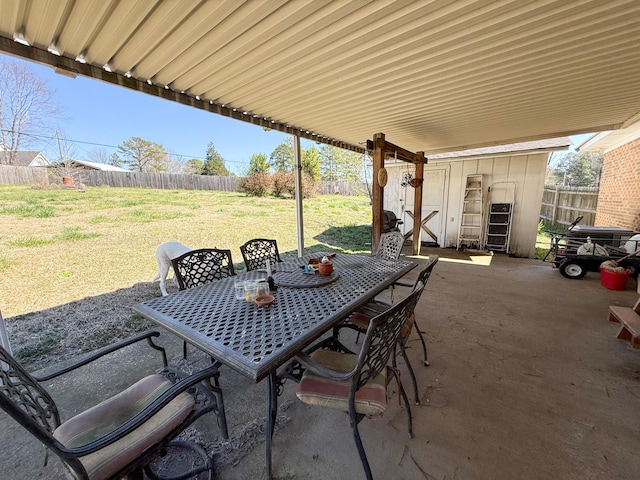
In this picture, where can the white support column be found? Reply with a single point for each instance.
(297, 156)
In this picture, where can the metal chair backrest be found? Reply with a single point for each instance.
(382, 335)
(425, 273)
(24, 399)
(202, 266)
(390, 246)
(257, 251)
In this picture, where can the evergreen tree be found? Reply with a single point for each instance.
(214, 163)
(338, 164)
(282, 156)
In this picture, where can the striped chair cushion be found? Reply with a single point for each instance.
(110, 414)
(361, 320)
(371, 399)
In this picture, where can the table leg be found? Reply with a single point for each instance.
(272, 411)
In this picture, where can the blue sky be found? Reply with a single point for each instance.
(97, 114)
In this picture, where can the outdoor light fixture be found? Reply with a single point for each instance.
(80, 59)
(53, 49)
(106, 67)
(67, 72)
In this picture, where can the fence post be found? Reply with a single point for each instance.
(556, 199)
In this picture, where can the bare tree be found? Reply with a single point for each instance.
(27, 108)
(99, 155)
(65, 166)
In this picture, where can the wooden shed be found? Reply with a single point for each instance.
(460, 188)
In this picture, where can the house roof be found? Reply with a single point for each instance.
(433, 76)
(24, 159)
(521, 148)
(100, 166)
(607, 141)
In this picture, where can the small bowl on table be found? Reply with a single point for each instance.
(325, 268)
(264, 300)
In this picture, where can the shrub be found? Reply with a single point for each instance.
(285, 183)
(256, 185)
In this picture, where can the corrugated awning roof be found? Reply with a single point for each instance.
(434, 76)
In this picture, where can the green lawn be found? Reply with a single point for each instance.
(63, 245)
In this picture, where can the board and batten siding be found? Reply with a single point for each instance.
(517, 179)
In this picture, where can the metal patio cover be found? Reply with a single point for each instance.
(433, 76)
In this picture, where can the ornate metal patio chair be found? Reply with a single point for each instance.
(390, 246)
(360, 319)
(122, 435)
(257, 251)
(199, 267)
(358, 383)
(202, 266)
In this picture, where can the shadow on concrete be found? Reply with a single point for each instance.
(527, 380)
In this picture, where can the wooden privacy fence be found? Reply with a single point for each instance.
(563, 204)
(12, 175)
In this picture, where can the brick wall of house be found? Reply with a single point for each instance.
(619, 197)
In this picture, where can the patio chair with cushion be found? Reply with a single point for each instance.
(357, 383)
(360, 319)
(257, 251)
(122, 435)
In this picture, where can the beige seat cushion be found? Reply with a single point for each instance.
(112, 413)
(371, 399)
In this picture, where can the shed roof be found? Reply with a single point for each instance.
(434, 76)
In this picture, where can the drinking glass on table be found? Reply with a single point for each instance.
(239, 289)
(262, 288)
(250, 290)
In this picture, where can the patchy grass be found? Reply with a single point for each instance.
(26, 210)
(30, 242)
(72, 276)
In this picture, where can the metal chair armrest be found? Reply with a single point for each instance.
(142, 416)
(106, 350)
(319, 369)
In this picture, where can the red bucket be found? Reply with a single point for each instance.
(613, 280)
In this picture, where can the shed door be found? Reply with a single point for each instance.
(432, 200)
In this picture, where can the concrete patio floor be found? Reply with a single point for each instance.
(527, 381)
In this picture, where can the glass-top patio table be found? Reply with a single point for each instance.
(256, 340)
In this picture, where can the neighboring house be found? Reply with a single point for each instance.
(30, 159)
(619, 194)
(512, 173)
(83, 164)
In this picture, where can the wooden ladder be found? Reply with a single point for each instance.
(471, 228)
